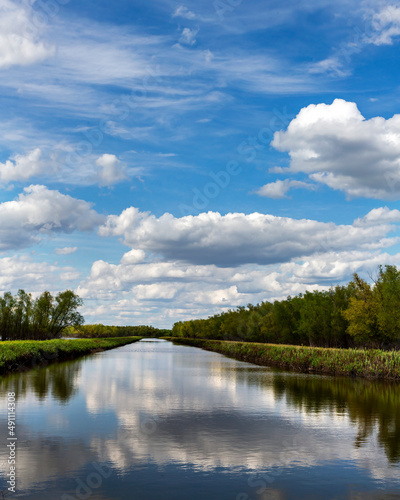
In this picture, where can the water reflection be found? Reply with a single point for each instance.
(58, 380)
(372, 406)
(161, 415)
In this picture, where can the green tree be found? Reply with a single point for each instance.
(42, 312)
(387, 303)
(22, 315)
(315, 318)
(7, 308)
(340, 296)
(362, 313)
(64, 313)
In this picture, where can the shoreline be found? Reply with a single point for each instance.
(23, 355)
(369, 363)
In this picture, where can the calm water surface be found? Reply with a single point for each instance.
(156, 421)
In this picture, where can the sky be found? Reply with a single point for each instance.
(171, 160)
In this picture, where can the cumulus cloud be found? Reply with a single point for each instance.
(23, 272)
(235, 238)
(335, 267)
(110, 170)
(20, 42)
(164, 292)
(279, 189)
(105, 170)
(134, 257)
(175, 290)
(335, 145)
(381, 215)
(39, 211)
(23, 167)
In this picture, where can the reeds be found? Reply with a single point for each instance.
(370, 363)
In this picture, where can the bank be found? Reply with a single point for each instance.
(368, 363)
(21, 355)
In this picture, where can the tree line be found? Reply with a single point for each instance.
(358, 314)
(104, 331)
(43, 318)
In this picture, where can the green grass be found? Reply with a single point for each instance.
(24, 354)
(370, 363)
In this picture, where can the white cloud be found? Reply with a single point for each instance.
(23, 272)
(110, 170)
(155, 291)
(235, 239)
(23, 167)
(381, 26)
(188, 36)
(163, 292)
(335, 145)
(184, 12)
(386, 24)
(154, 80)
(381, 215)
(336, 267)
(66, 250)
(19, 36)
(39, 211)
(279, 189)
(331, 65)
(133, 257)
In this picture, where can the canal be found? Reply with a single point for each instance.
(155, 421)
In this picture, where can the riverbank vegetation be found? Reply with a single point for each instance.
(46, 317)
(371, 363)
(22, 355)
(356, 315)
(105, 331)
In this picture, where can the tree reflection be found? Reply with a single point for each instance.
(58, 380)
(369, 404)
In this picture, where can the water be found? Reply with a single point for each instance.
(156, 421)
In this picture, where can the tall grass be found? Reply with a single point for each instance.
(24, 354)
(370, 363)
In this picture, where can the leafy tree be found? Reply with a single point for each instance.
(44, 318)
(42, 312)
(64, 313)
(315, 318)
(7, 306)
(340, 296)
(362, 313)
(387, 303)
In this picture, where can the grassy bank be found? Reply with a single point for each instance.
(20, 355)
(351, 362)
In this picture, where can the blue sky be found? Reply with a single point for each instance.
(170, 160)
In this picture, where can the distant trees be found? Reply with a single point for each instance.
(46, 317)
(359, 314)
(103, 331)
